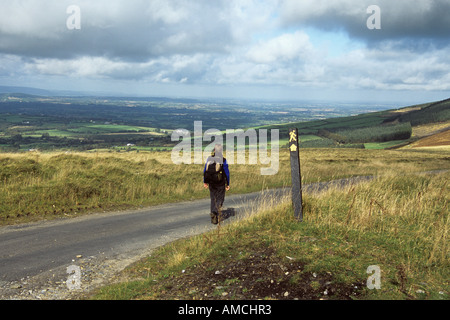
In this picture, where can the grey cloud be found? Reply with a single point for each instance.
(132, 31)
(402, 21)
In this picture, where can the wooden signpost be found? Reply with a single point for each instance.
(296, 174)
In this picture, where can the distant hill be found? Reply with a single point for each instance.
(25, 90)
(43, 92)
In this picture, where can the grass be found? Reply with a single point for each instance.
(383, 145)
(431, 128)
(399, 223)
(38, 186)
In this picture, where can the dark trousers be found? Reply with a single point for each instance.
(217, 194)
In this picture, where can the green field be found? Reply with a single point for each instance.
(383, 145)
(108, 128)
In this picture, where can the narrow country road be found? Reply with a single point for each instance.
(45, 249)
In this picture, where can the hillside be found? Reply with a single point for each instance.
(417, 114)
(437, 141)
(37, 186)
(376, 130)
(397, 223)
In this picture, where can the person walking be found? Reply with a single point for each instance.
(216, 176)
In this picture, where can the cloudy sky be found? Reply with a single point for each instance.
(271, 49)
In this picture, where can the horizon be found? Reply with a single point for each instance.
(375, 51)
(384, 104)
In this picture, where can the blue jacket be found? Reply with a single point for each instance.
(225, 169)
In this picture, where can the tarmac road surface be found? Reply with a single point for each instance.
(30, 249)
(36, 248)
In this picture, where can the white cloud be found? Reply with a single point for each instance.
(168, 12)
(385, 69)
(31, 18)
(286, 47)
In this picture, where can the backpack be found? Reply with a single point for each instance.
(214, 172)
